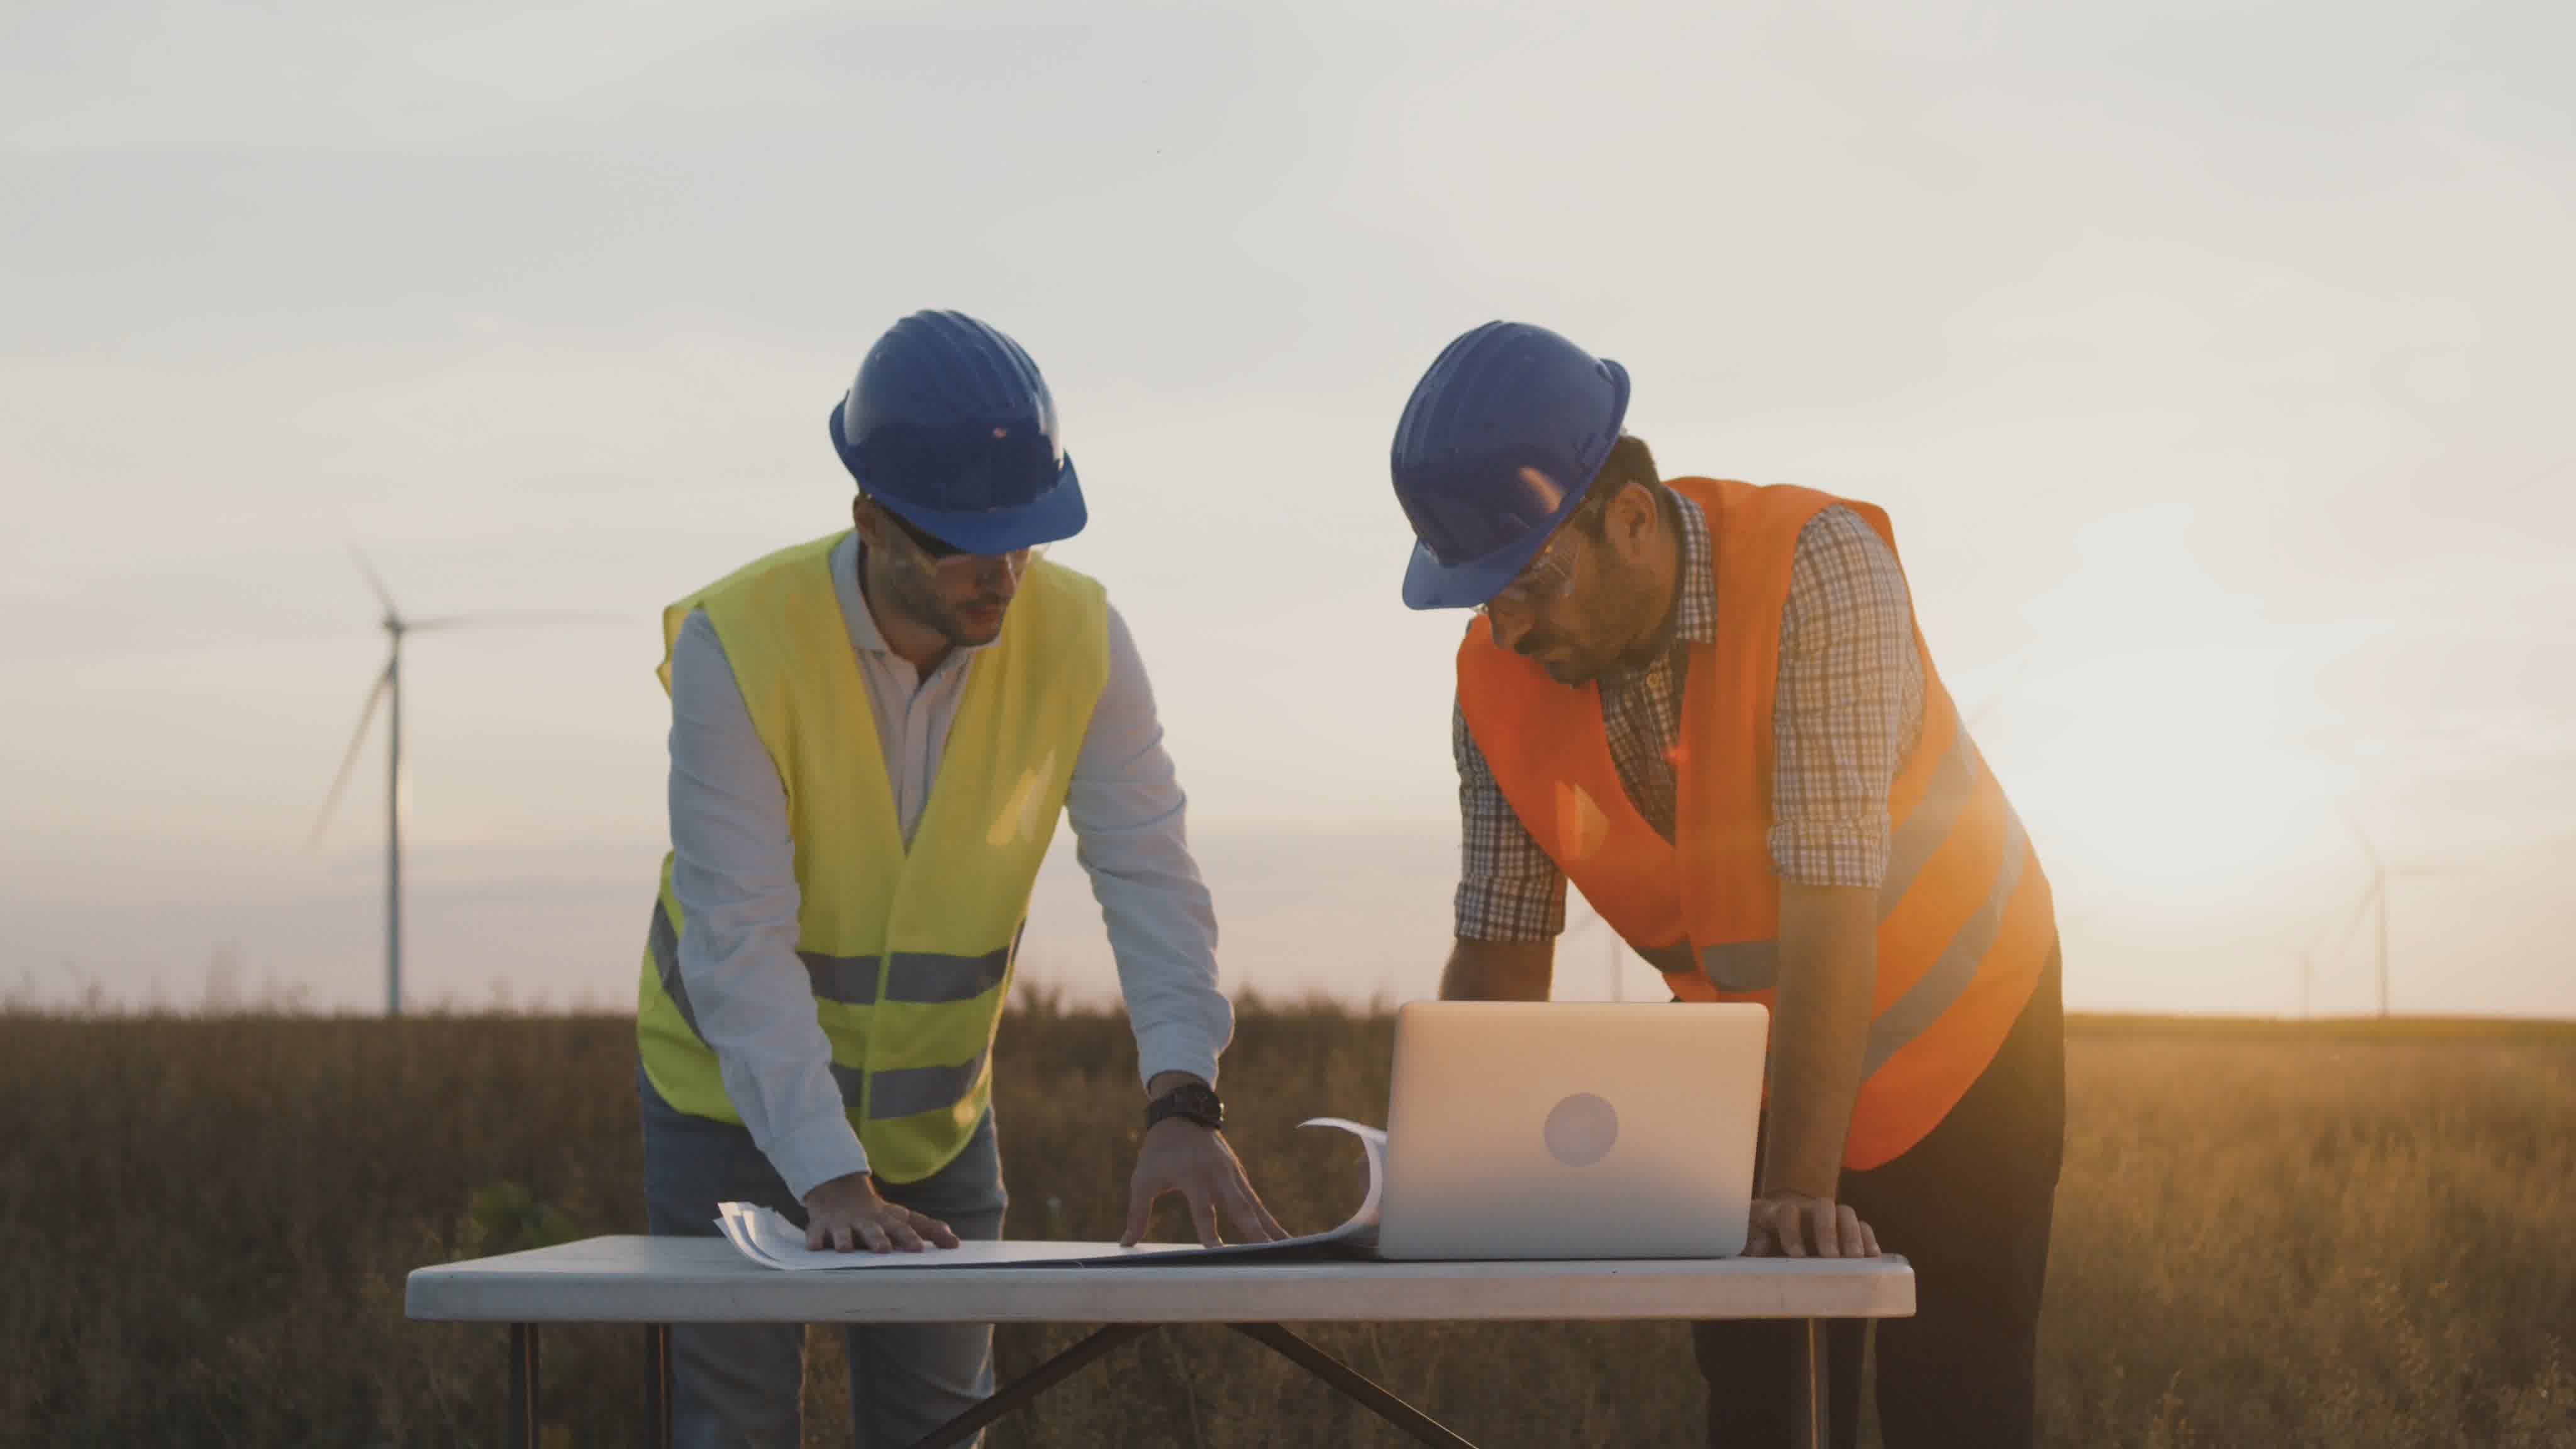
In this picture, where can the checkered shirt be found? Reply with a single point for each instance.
(1849, 710)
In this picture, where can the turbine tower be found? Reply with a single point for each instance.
(2377, 897)
(2374, 903)
(388, 693)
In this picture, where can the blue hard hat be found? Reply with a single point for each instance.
(951, 428)
(1495, 449)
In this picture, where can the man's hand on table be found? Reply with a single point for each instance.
(1794, 1225)
(845, 1214)
(1184, 1157)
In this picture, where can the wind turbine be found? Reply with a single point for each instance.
(2377, 899)
(388, 693)
(2307, 958)
(2373, 902)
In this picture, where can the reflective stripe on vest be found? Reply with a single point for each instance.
(906, 1090)
(1748, 966)
(1946, 980)
(908, 947)
(919, 976)
(1743, 967)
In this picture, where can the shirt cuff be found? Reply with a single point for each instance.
(1498, 910)
(1828, 853)
(1174, 1049)
(816, 1153)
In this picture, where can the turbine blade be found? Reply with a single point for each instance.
(2534, 479)
(349, 761)
(2360, 908)
(515, 618)
(383, 595)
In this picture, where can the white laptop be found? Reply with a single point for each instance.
(1571, 1129)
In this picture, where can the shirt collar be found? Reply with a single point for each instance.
(862, 621)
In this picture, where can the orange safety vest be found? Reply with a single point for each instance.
(1965, 921)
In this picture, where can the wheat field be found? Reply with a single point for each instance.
(2266, 1235)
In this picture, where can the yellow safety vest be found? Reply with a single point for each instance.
(909, 952)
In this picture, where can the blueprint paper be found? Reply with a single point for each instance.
(769, 1239)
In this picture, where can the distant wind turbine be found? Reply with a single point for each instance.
(388, 693)
(2373, 902)
(2307, 958)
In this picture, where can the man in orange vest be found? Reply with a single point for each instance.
(1706, 703)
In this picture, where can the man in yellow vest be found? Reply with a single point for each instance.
(1706, 704)
(872, 735)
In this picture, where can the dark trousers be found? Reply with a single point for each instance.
(1969, 1207)
(740, 1385)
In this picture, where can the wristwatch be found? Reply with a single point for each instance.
(1196, 1101)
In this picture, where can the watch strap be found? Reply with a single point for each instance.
(1194, 1101)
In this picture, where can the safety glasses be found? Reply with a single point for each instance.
(948, 560)
(1546, 578)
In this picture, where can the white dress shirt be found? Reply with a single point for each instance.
(734, 874)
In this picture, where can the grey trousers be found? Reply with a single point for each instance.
(739, 1385)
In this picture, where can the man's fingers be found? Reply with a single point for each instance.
(1824, 1229)
(1853, 1246)
(1261, 1212)
(1252, 1222)
(934, 1231)
(872, 1236)
(1240, 1209)
(814, 1238)
(1140, 1211)
(899, 1234)
(1203, 1213)
(1791, 1221)
(842, 1238)
(1869, 1239)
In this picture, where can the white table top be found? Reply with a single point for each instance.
(689, 1280)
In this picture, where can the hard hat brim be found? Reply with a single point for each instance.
(1058, 513)
(1431, 584)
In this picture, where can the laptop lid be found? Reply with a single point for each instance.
(1572, 1129)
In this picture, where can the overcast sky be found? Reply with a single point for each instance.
(2215, 362)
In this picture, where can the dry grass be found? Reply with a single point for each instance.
(2351, 1237)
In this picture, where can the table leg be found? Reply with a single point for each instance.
(657, 1379)
(1029, 1385)
(525, 1410)
(1353, 1383)
(1810, 1406)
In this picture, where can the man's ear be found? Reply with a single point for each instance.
(1634, 518)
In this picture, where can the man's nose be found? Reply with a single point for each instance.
(1002, 573)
